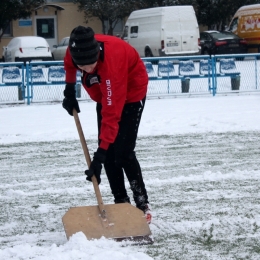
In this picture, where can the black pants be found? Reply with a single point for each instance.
(121, 157)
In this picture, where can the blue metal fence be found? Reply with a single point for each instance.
(180, 75)
(46, 81)
(12, 82)
(203, 74)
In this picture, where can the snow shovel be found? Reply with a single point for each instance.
(116, 221)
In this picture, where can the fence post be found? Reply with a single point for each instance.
(235, 82)
(214, 75)
(28, 82)
(185, 85)
(20, 92)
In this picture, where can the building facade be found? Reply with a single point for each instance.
(52, 21)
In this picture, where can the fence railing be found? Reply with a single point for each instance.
(178, 75)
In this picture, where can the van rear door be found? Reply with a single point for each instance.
(181, 31)
(171, 31)
(189, 32)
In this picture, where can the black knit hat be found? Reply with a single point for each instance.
(84, 48)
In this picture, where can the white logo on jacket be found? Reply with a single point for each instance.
(109, 93)
(94, 80)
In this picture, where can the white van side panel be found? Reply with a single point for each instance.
(149, 33)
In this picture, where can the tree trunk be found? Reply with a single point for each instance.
(110, 29)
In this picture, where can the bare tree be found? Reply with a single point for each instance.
(217, 13)
(108, 10)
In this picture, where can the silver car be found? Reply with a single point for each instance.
(59, 50)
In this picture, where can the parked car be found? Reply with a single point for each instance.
(215, 42)
(59, 50)
(27, 48)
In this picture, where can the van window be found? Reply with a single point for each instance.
(233, 25)
(134, 32)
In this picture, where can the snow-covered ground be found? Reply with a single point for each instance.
(200, 161)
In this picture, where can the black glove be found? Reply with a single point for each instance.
(70, 101)
(96, 165)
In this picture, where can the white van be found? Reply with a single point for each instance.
(161, 31)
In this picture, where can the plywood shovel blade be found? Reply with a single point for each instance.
(117, 221)
(123, 222)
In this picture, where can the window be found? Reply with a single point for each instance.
(66, 43)
(45, 27)
(8, 31)
(118, 27)
(233, 26)
(134, 32)
(204, 37)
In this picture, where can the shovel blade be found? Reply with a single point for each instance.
(123, 222)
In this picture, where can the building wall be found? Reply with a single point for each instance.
(66, 20)
(71, 17)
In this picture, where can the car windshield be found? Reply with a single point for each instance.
(224, 35)
(64, 42)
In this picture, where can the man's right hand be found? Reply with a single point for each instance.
(70, 101)
(69, 104)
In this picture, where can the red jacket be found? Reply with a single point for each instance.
(122, 79)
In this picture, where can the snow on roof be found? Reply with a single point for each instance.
(28, 41)
(248, 10)
(245, 7)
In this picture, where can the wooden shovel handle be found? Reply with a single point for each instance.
(88, 160)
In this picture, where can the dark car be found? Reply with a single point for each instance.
(215, 42)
